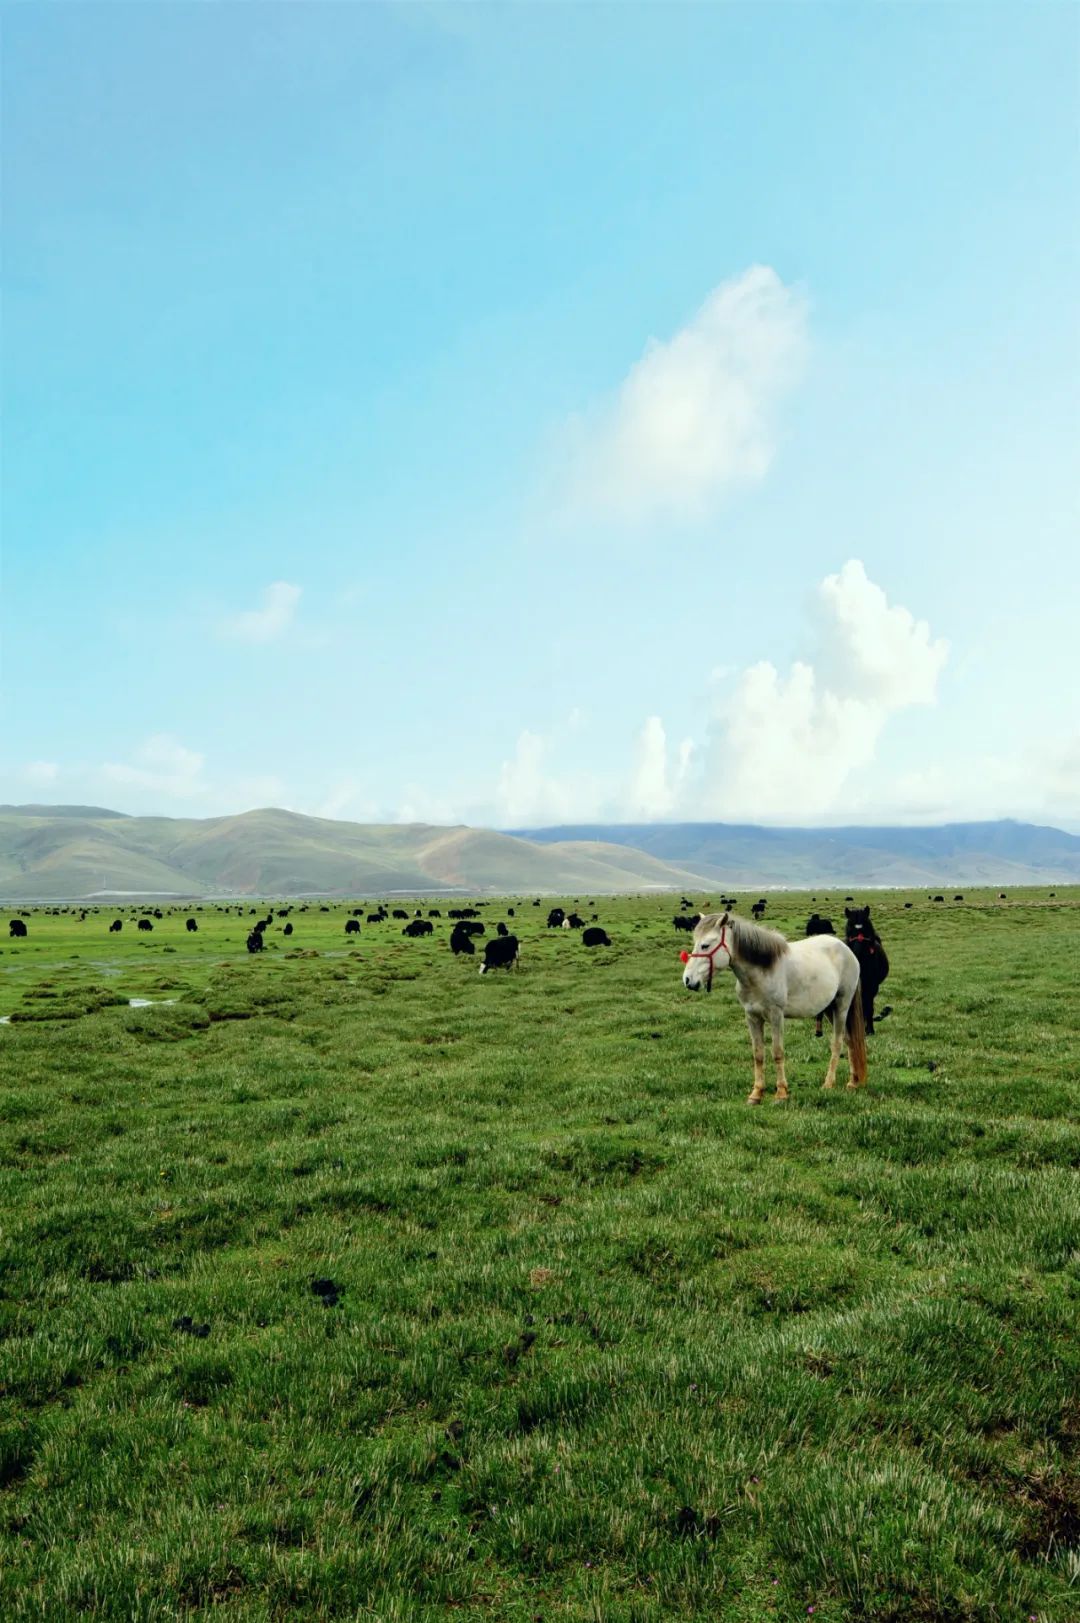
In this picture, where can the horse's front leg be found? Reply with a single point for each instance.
(756, 1026)
(776, 1020)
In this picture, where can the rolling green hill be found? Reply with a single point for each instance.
(71, 853)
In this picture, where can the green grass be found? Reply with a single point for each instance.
(608, 1344)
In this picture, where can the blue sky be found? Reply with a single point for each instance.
(525, 414)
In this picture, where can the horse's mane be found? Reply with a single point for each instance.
(757, 945)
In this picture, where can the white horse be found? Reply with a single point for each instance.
(775, 977)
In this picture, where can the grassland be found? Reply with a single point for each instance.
(353, 1285)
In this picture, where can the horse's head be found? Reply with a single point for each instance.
(711, 951)
(858, 923)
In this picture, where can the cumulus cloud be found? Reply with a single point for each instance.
(527, 793)
(696, 414)
(785, 746)
(656, 784)
(277, 608)
(163, 765)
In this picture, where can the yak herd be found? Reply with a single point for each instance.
(500, 952)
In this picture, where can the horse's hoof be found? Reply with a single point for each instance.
(781, 1098)
(827, 1087)
(753, 1098)
(852, 1087)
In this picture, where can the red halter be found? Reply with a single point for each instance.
(710, 955)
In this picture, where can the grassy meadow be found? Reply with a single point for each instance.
(350, 1284)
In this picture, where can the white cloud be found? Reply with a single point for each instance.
(695, 415)
(275, 615)
(785, 747)
(164, 766)
(656, 787)
(526, 792)
(41, 773)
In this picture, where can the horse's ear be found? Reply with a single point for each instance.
(849, 912)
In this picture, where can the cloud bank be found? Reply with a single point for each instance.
(786, 747)
(778, 747)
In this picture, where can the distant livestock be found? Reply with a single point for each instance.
(682, 922)
(145, 924)
(461, 942)
(400, 913)
(255, 941)
(576, 922)
(192, 925)
(555, 918)
(352, 926)
(594, 936)
(816, 925)
(16, 927)
(500, 928)
(758, 909)
(287, 930)
(116, 926)
(418, 927)
(500, 953)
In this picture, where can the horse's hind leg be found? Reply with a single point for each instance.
(837, 1044)
(756, 1026)
(776, 1020)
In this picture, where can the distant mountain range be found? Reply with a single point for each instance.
(78, 852)
(739, 854)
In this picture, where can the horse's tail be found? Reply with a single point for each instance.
(856, 1039)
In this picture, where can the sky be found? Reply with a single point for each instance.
(545, 413)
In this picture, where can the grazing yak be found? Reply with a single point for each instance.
(555, 918)
(144, 924)
(16, 927)
(500, 953)
(418, 927)
(576, 922)
(192, 925)
(287, 930)
(816, 925)
(352, 926)
(255, 941)
(758, 909)
(116, 926)
(594, 936)
(461, 941)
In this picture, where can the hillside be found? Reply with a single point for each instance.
(71, 853)
(996, 853)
